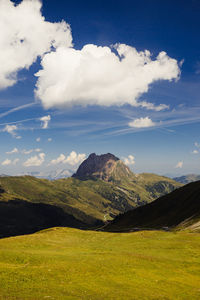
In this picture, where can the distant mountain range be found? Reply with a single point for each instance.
(89, 172)
(52, 175)
(187, 178)
(102, 187)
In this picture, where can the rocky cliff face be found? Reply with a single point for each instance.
(97, 166)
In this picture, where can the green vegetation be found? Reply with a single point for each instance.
(106, 188)
(177, 210)
(62, 263)
(65, 263)
(88, 200)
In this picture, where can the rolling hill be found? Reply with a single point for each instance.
(178, 210)
(102, 187)
(72, 264)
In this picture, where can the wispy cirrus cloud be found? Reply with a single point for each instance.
(162, 120)
(21, 107)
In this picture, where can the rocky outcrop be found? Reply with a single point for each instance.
(97, 166)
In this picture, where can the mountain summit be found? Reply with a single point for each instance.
(102, 188)
(104, 167)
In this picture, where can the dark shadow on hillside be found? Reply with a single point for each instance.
(166, 212)
(18, 217)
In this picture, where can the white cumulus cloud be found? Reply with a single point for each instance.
(15, 161)
(6, 162)
(195, 152)
(72, 159)
(26, 152)
(38, 139)
(36, 160)
(98, 75)
(129, 161)
(45, 121)
(179, 165)
(25, 35)
(94, 75)
(60, 159)
(11, 129)
(15, 150)
(142, 123)
(151, 106)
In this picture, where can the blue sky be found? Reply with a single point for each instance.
(127, 102)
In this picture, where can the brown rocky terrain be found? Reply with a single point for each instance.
(97, 166)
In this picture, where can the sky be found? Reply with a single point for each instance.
(79, 77)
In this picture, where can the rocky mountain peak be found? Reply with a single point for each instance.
(99, 166)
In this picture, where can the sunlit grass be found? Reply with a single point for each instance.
(62, 263)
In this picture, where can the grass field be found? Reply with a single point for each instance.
(63, 263)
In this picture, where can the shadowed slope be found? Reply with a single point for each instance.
(18, 217)
(179, 208)
(107, 189)
(88, 200)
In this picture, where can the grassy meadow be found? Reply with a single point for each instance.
(63, 263)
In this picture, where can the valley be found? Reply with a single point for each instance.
(105, 188)
(104, 233)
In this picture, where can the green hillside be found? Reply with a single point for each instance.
(102, 188)
(70, 264)
(89, 201)
(179, 209)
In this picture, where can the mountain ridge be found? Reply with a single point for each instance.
(179, 209)
(97, 166)
(187, 178)
(108, 189)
